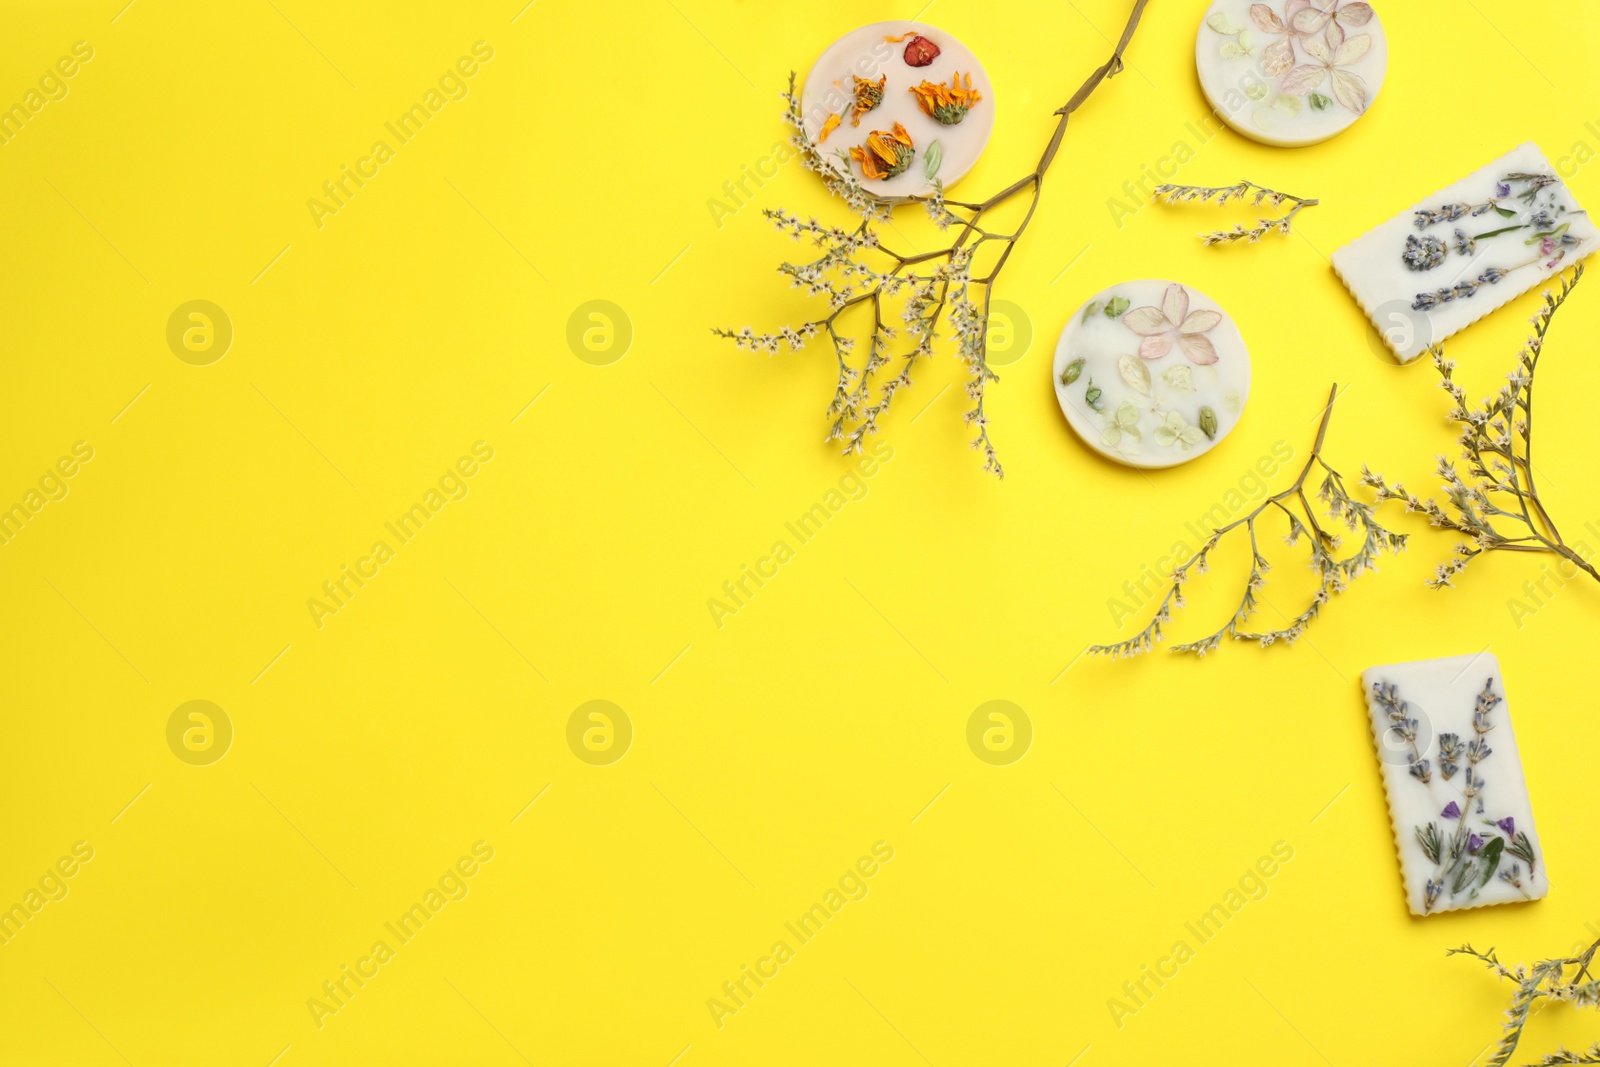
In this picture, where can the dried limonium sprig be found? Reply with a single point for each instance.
(1333, 573)
(1565, 979)
(1491, 495)
(856, 268)
(1257, 194)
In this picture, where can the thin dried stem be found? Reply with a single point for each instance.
(1554, 980)
(1257, 194)
(1333, 573)
(1495, 501)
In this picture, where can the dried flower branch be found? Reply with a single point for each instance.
(1334, 573)
(857, 269)
(1495, 503)
(1177, 194)
(1554, 980)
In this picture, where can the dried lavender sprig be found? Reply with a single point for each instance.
(1467, 287)
(1494, 502)
(1546, 980)
(1335, 573)
(1426, 217)
(1404, 726)
(1177, 194)
(847, 280)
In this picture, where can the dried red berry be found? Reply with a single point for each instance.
(920, 51)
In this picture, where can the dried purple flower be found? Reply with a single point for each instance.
(1429, 301)
(1448, 213)
(1502, 189)
(1509, 825)
(1451, 811)
(1449, 755)
(1423, 253)
(1465, 245)
(1474, 843)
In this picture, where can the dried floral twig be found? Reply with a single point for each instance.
(1496, 504)
(1564, 979)
(1334, 573)
(1177, 194)
(934, 284)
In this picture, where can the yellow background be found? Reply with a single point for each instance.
(768, 754)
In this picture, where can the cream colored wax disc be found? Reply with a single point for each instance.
(1291, 72)
(1151, 373)
(902, 95)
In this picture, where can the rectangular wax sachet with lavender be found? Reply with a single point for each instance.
(1463, 823)
(1443, 264)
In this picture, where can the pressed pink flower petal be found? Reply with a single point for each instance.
(1309, 21)
(1351, 90)
(1200, 321)
(1278, 58)
(1352, 50)
(1265, 19)
(1175, 304)
(1146, 320)
(1293, 8)
(1316, 46)
(1334, 35)
(1155, 347)
(1355, 14)
(1198, 349)
(1303, 79)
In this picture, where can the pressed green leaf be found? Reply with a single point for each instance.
(1090, 310)
(1557, 232)
(1117, 306)
(1134, 372)
(1490, 858)
(1507, 212)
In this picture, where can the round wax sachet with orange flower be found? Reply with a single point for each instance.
(1151, 373)
(901, 105)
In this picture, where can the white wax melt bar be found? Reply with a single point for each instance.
(1151, 373)
(1291, 72)
(905, 78)
(1463, 824)
(1443, 264)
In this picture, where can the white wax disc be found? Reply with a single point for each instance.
(1151, 373)
(1291, 72)
(905, 74)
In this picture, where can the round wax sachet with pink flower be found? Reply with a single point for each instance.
(1151, 373)
(1291, 72)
